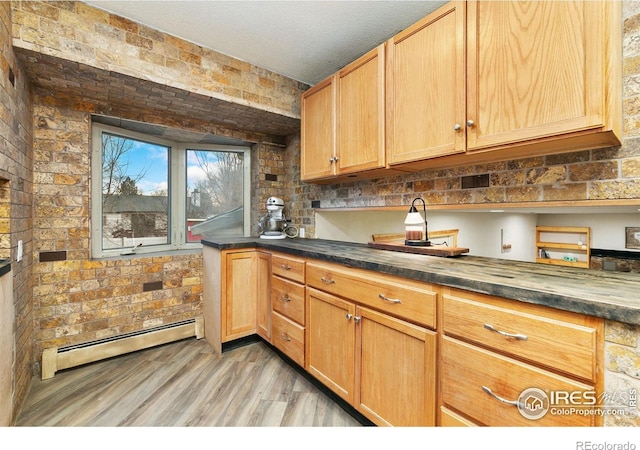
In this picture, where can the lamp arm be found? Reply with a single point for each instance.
(424, 208)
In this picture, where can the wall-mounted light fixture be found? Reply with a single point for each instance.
(416, 231)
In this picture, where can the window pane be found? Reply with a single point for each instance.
(135, 180)
(214, 197)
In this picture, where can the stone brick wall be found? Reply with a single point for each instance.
(74, 31)
(622, 371)
(16, 191)
(47, 152)
(79, 299)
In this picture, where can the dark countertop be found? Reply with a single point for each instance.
(5, 267)
(610, 295)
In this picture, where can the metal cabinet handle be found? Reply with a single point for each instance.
(285, 338)
(497, 397)
(457, 127)
(285, 267)
(390, 300)
(326, 280)
(348, 316)
(331, 159)
(285, 298)
(470, 123)
(520, 337)
(356, 319)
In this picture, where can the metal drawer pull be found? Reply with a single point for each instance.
(285, 337)
(326, 280)
(285, 267)
(503, 400)
(285, 298)
(356, 319)
(390, 300)
(521, 337)
(349, 316)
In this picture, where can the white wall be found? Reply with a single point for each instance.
(480, 232)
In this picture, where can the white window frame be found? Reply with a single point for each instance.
(177, 192)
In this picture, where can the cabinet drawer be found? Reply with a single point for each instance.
(287, 267)
(450, 419)
(556, 339)
(399, 297)
(468, 370)
(287, 298)
(288, 337)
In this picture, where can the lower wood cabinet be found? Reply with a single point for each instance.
(245, 285)
(487, 387)
(288, 337)
(371, 339)
(382, 365)
(288, 303)
(263, 295)
(239, 304)
(507, 363)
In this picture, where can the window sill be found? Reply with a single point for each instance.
(187, 251)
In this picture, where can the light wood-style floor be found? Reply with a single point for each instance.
(182, 384)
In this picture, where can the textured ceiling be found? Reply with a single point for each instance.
(303, 40)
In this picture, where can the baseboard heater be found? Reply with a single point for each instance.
(59, 358)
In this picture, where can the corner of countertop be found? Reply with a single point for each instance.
(230, 242)
(5, 267)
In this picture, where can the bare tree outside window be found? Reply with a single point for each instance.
(151, 194)
(135, 209)
(215, 192)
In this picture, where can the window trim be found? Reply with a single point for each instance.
(177, 220)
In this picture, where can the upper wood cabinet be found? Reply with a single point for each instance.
(360, 114)
(540, 72)
(343, 120)
(473, 82)
(318, 135)
(426, 87)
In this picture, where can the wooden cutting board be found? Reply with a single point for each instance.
(433, 250)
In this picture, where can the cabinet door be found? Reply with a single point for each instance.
(360, 115)
(426, 87)
(318, 131)
(263, 293)
(534, 70)
(330, 342)
(396, 370)
(239, 290)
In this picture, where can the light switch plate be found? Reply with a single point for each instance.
(19, 256)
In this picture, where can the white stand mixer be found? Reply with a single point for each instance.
(274, 224)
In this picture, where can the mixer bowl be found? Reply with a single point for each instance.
(271, 224)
